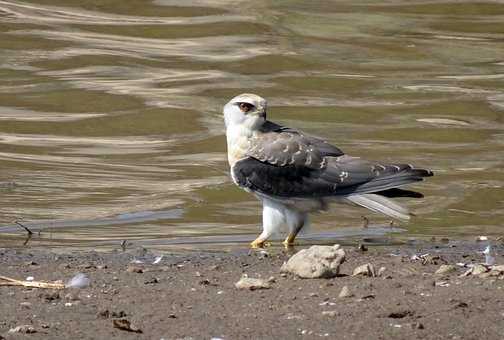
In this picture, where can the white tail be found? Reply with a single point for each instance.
(380, 204)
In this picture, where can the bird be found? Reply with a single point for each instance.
(294, 174)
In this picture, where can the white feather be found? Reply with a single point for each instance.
(78, 281)
(380, 204)
(273, 218)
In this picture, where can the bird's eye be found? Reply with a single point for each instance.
(245, 107)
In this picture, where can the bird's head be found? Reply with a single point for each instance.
(246, 109)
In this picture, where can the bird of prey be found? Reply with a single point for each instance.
(294, 174)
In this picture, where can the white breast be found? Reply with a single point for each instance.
(237, 143)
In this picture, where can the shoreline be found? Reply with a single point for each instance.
(192, 296)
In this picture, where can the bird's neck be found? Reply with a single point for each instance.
(238, 137)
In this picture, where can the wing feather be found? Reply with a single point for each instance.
(342, 176)
(284, 162)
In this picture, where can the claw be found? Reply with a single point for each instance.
(289, 241)
(259, 243)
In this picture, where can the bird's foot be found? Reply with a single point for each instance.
(288, 244)
(289, 241)
(259, 243)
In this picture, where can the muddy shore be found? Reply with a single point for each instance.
(192, 296)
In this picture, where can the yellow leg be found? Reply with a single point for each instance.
(258, 243)
(289, 241)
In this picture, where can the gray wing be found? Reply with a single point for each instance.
(286, 163)
(282, 146)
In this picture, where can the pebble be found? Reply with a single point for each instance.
(365, 270)
(381, 271)
(25, 304)
(26, 329)
(252, 283)
(499, 268)
(331, 313)
(416, 325)
(72, 297)
(445, 269)
(478, 269)
(135, 269)
(345, 293)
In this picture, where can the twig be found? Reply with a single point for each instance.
(28, 238)
(24, 227)
(33, 284)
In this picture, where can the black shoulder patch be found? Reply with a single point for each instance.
(337, 179)
(281, 181)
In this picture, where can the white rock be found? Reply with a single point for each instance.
(345, 292)
(381, 271)
(499, 268)
(331, 313)
(479, 269)
(445, 269)
(316, 262)
(365, 270)
(252, 284)
(27, 329)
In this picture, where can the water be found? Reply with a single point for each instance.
(111, 126)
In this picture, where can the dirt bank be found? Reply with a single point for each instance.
(192, 296)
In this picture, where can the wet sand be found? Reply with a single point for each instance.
(192, 296)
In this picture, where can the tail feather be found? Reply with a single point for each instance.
(380, 204)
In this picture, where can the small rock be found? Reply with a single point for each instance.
(25, 304)
(400, 314)
(316, 262)
(152, 281)
(87, 265)
(485, 275)
(365, 270)
(432, 259)
(445, 269)
(381, 271)
(478, 269)
(72, 297)
(499, 268)
(125, 325)
(50, 296)
(101, 266)
(26, 329)
(331, 313)
(252, 284)
(416, 325)
(120, 314)
(345, 292)
(104, 313)
(135, 269)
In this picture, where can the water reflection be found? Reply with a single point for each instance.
(110, 113)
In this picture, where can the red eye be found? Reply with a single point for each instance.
(245, 107)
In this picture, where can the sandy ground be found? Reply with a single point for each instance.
(192, 296)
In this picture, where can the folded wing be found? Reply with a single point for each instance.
(285, 163)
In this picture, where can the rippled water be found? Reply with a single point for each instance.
(111, 127)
